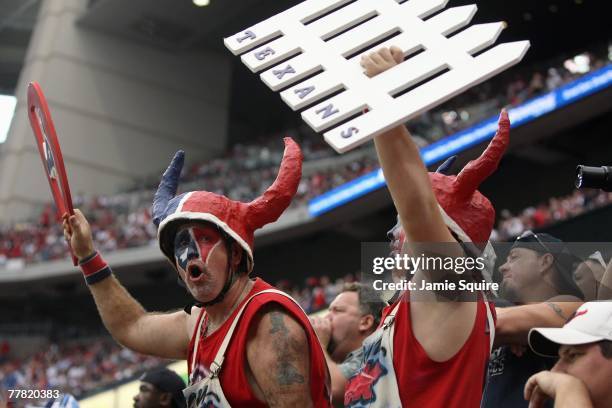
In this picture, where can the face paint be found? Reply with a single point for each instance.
(195, 243)
(185, 248)
(206, 238)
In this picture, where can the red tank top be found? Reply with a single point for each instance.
(455, 383)
(232, 376)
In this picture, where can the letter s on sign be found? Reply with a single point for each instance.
(349, 132)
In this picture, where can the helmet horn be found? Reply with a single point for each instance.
(271, 204)
(476, 171)
(167, 187)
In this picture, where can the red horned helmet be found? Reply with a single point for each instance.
(238, 220)
(467, 212)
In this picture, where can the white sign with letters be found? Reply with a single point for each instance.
(310, 53)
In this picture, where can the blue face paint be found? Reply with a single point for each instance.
(185, 248)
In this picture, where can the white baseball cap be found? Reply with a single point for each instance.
(591, 323)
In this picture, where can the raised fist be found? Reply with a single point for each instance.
(78, 234)
(380, 61)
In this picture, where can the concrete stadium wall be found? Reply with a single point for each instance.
(120, 109)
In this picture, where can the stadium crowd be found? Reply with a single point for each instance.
(548, 213)
(124, 221)
(246, 170)
(75, 368)
(315, 293)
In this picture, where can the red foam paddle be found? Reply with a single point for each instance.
(50, 152)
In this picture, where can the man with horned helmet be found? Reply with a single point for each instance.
(246, 343)
(433, 346)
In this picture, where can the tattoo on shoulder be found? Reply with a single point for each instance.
(557, 310)
(287, 351)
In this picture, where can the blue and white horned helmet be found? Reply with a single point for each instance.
(238, 220)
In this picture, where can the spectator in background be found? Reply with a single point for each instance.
(581, 377)
(353, 315)
(538, 267)
(318, 301)
(159, 389)
(554, 80)
(536, 86)
(537, 274)
(511, 226)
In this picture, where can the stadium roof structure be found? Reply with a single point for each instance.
(179, 25)
(17, 19)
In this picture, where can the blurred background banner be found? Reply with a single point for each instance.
(484, 131)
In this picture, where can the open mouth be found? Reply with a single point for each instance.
(194, 271)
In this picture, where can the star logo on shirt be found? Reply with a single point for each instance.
(360, 388)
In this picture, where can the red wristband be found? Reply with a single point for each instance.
(95, 269)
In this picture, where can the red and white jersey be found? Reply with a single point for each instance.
(232, 375)
(399, 373)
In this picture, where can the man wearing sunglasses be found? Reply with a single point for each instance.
(538, 267)
(537, 276)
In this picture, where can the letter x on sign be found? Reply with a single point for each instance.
(310, 53)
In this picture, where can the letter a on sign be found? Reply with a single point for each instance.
(322, 42)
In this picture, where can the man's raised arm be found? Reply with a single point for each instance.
(442, 327)
(405, 172)
(162, 335)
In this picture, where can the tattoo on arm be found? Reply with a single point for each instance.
(286, 352)
(279, 360)
(557, 310)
